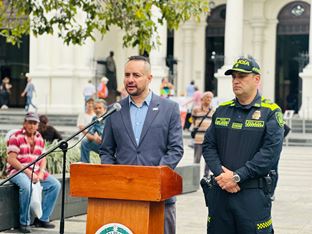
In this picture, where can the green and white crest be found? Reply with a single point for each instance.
(114, 228)
(279, 119)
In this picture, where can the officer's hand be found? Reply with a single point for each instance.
(226, 182)
(234, 189)
(225, 178)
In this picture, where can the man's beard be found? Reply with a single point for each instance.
(136, 92)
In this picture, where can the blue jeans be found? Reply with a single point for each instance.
(29, 102)
(86, 147)
(50, 187)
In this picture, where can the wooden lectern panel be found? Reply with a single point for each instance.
(140, 217)
(132, 196)
(141, 183)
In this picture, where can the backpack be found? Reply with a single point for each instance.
(103, 91)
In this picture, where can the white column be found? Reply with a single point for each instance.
(83, 71)
(64, 56)
(267, 65)
(199, 55)
(306, 75)
(39, 53)
(258, 23)
(257, 39)
(188, 29)
(84, 59)
(40, 68)
(158, 55)
(233, 44)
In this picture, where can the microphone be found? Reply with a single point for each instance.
(115, 107)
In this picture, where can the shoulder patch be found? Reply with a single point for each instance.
(272, 106)
(227, 103)
(279, 119)
(266, 100)
(267, 103)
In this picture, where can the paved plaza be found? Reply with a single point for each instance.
(292, 209)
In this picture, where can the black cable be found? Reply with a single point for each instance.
(31, 190)
(79, 140)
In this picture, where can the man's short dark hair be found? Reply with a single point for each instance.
(139, 58)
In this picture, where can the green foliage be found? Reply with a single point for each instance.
(14, 21)
(2, 157)
(54, 159)
(76, 20)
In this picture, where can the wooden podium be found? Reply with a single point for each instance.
(132, 196)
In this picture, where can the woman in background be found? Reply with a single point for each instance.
(201, 116)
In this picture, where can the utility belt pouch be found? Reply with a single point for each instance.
(206, 184)
(268, 184)
(273, 176)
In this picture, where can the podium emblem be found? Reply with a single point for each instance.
(114, 228)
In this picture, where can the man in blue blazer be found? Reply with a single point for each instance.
(147, 131)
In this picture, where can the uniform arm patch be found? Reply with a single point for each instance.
(279, 119)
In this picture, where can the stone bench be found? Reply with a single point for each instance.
(9, 212)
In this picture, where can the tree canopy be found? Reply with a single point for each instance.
(76, 20)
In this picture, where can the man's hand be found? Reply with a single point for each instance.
(35, 177)
(41, 175)
(226, 182)
(97, 138)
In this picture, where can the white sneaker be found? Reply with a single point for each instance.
(4, 107)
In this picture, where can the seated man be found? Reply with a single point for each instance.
(94, 136)
(24, 146)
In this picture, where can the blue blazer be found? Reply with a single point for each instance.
(161, 141)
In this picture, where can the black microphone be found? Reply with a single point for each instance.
(115, 107)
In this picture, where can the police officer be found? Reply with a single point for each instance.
(241, 146)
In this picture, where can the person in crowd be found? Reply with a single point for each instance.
(201, 116)
(196, 98)
(94, 135)
(102, 88)
(190, 89)
(166, 88)
(241, 146)
(191, 104)
(147, 131)
(23, 147)
(29, 91)
(5, 90)
(89, 91)
(48, 132)
(85, 118)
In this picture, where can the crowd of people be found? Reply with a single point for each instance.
(240, 141)
(28, 93)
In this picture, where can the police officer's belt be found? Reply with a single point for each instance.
(251, 184)
(248, 184)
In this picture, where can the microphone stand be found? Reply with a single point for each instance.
(63, 145)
